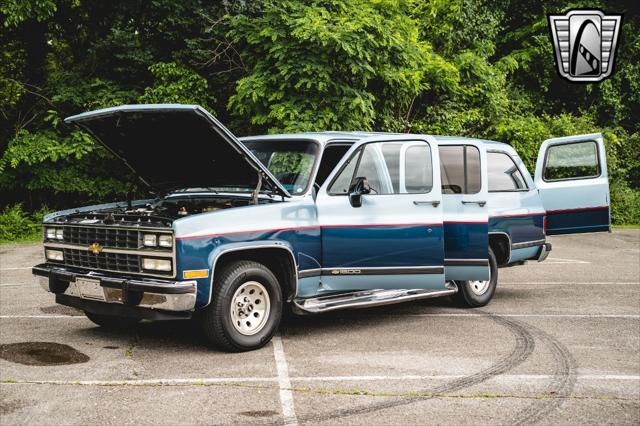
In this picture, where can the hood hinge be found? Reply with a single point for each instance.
(254, 197)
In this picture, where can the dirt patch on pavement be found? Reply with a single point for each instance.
(260, 413)
(41, 353)
(9, 406)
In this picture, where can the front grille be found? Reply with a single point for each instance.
(105, 261)
(107, 237)
(119, 249)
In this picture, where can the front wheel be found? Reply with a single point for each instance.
(473, 294)
(246, 307)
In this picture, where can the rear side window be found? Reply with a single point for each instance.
(503, 173)
(460, 169)
(572, 161)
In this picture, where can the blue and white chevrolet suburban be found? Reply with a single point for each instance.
(242, 228)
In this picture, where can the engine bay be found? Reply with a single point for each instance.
(160, 212)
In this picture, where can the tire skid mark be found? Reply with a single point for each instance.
(561, 385)
(522, 350)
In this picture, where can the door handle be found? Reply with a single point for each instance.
(480, 203)
(434, 203)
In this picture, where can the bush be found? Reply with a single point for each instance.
(625, 203)
(17, 225)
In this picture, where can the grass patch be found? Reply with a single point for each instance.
(132, 346)
(629, 226)
(34, 237)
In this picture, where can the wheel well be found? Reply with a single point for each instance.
(278, 260)
(499, 243)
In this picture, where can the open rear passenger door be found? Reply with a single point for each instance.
(571, 177)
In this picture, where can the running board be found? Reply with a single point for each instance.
(369, 298)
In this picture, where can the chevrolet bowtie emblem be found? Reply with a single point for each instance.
(95, 248)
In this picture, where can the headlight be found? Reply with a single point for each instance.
(156, 264)
(165, 241)
(54, 233)
(50, 233)
(150, 240)
(55, 255)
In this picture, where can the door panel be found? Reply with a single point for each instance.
(571, 177)
(395, 238)
(466, 215)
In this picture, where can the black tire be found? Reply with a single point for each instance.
(112, 321)
(216, 319)
(468, 298)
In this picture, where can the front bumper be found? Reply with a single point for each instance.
(545, 249)
(105, 294)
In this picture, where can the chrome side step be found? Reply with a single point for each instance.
(369, 298)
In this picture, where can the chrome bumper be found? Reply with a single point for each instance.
(143, 293)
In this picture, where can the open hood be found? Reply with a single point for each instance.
(172, 146)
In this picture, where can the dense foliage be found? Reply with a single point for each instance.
(465, 67)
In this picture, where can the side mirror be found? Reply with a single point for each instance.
(358, 188)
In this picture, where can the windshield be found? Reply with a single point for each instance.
(291, 162)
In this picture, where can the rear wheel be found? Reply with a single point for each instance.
(111, 321)
(473, 294)
(246, 307)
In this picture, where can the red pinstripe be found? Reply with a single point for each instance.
(519, 215)
(375, 225)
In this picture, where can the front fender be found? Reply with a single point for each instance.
(216, 251)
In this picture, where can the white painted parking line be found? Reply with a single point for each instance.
(372, 378)
(457, 376)
(626, 316)
(443, 314)
(16, 269)
(43, 316)
(508, 283)
(558, 261)
(568, 283)
(284, 383)
(19, 285)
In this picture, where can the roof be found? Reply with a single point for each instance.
(333, 136)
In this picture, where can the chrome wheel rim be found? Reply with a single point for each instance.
(480, 287)
(250, 307)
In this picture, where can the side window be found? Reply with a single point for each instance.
(572, 161)
(503, 173)
(418, 173)
(460, 169)
(391, 154)
(380, 163)
(342, 182)
(372, 168)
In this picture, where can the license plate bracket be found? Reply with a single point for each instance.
(90, 289)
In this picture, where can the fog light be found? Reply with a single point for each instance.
(150, 240)
(59, 233)
(50, 233)
(156, 264)
(165, 241)
(55, 255)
